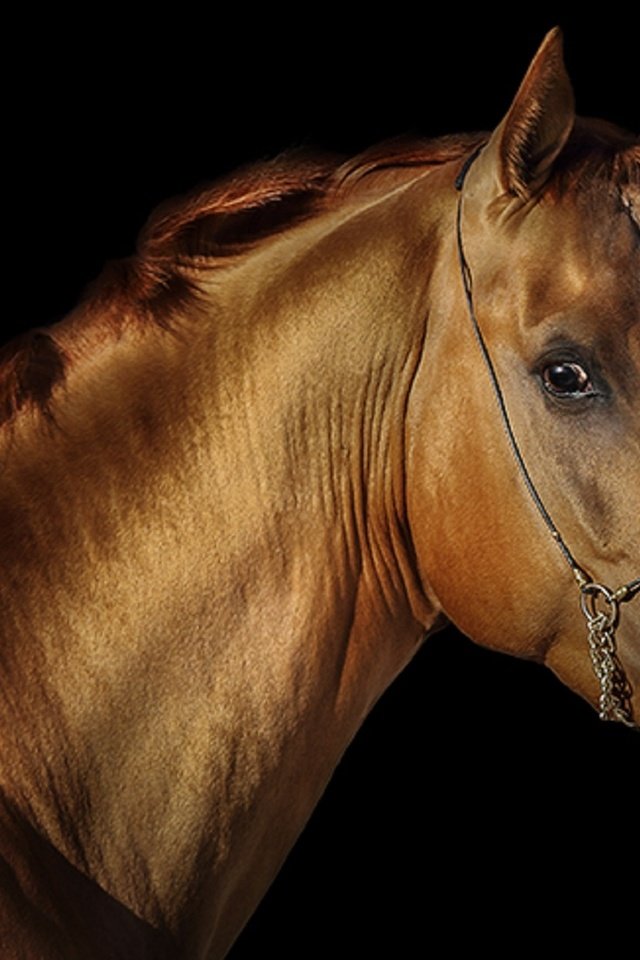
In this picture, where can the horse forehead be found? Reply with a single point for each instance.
(570, 256)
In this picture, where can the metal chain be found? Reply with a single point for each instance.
(615, 689)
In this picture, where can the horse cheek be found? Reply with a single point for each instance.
(472, 562)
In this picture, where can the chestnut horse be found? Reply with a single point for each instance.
(326, 408)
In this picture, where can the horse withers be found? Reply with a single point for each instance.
(327, 408)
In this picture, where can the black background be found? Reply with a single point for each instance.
(481, 796)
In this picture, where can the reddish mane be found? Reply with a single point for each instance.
(264, 199)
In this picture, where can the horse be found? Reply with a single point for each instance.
(328, 407)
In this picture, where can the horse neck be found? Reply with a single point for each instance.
(211, 578)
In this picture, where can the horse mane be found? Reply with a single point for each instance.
(204, 228)
(31, 366)
(230, 218)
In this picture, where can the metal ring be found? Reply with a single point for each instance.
(588, 601)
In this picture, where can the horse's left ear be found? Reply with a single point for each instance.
(524, 146)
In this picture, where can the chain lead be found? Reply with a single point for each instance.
(615, 690)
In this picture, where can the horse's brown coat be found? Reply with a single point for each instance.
(225, 532)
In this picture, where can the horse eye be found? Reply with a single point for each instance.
(566, 379)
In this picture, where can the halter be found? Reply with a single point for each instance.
(599, 604)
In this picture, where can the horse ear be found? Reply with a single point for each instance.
(537, 125)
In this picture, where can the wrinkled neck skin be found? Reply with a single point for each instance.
(208, 581)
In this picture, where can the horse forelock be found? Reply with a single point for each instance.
(597, 153)
(630, 197)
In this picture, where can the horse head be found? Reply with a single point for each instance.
(548, 249)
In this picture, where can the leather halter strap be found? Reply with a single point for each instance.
(617, 705)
